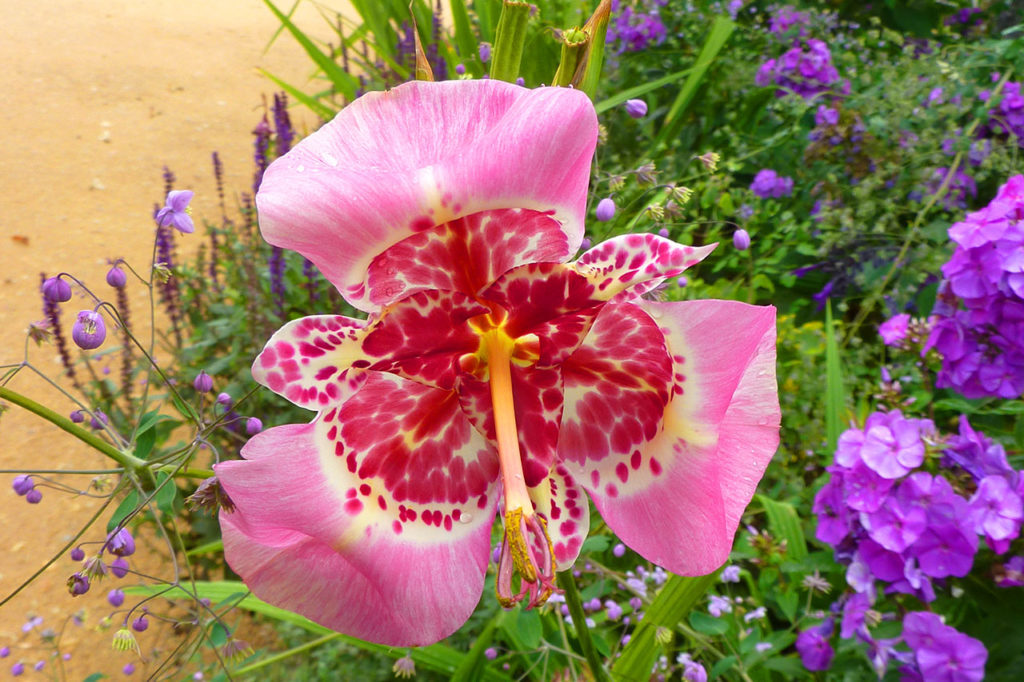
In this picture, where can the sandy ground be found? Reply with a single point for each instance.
(98, 97)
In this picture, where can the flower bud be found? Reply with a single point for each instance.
(605, 209)
(636, 108)
(78, 584)
(253, 426)
(115, 597)
(116, 277)
(56, 290)
(121, 543)
(89, 330)
(98, 420)
(225, 400)
(741, 239)
(119, 567)
(203, 382)
(485, 52)
(124, 640)
(22, 484)
(34, 496)
(77, 416)
(140, 624)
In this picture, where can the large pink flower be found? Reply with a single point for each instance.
(489, 369)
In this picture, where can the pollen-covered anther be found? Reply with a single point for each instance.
(527, 551)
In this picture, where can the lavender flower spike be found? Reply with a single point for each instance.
(175, 212)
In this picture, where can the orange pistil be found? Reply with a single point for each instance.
(527, 548)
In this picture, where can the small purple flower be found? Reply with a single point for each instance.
(225, 400)
(636, 108)
(77, 554)
(175, 212)
(56, 290)
(5, 651)
(119, 567)
(121, 543)
(460, 69)
(38, 667)
(89, 331)
(128, 668)
(605, 209)
(17, 669)
(613, 610)
(719, 605)
(894, 330)
(98, 420)
(826, 116)
(115, 597)
(253, 425)
(78, 584)
(34, 496)
(741, 239)
(619, 550)
(813, 646)
(485, 52)
(203, 382)
(490, 653)
(942, 652)
(731, 574)
(77, 416)
(22, 484)
(769, 184)
(116, 277)
(996, 510)
(140, 624)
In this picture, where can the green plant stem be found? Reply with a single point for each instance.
(579, 621)
(252, 667)
(509, 38)
(129, 462)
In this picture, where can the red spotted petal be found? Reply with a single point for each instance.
(466, 254)
(310, 536)
(309, 360)
(616, 387)
(565, 506)
(632, 264)
(537, 397)
(681, 506)
(551, 300)
(396, 163)
(422, 336)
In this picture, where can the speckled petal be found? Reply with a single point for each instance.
(564, 504)
(397, 163)
(627, 266)
(394, 549)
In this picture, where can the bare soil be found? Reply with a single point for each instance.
(98, 98)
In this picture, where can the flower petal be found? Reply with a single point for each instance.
(380, 554)
(309, 360)
(396, 163)
(632, 264)
(719, 432)
(564, 505)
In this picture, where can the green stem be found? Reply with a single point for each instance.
(129, 462)
(287, 654)
(579, 621)
(509, 38)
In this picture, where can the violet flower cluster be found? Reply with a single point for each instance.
(787, 17)
(893, 522)
(1008, 114)
(805, 69)
(637, 25)
(979, 315)
(769, 184)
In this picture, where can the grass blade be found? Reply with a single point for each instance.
(344, 82)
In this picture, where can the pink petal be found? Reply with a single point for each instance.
(632, 264)
(309, 360)
(396, 163)
(562, 502)
(422, 336)
(537, 399)
(681, 507)
(350, 549)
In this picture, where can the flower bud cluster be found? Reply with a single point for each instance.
(979, 331)
(769, 184)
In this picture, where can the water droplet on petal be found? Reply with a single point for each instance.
(329, 160)
(465, 518)
(299, 169)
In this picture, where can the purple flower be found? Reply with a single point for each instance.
(56, 290)
(119, 567)
(741, 239)
(34, 496)
(942, 652)
(613, 610)
(731, 574)
(128, 668)
(996, 510)
(812, 644)
(635, 28)
(121, 543)
(605, 209)
(77, 554)
(485, 52)
(619, 550)
(806, 69)
(1011, 574)
(140, 624)
(98, 420)
(17, 669)
(203, 382)
(22, 484)
(892, 445)
(854, 612)
(116, 277)
(636, 108)
(894, 330)
(769, 184)
(89, 331)
(253, 425)
(175, 212)
(115, 597)
(78, 584)
(826, 116)
(719, 605)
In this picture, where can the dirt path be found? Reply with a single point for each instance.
(98, 97)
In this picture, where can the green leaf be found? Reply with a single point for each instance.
(144, 443)
(464, 40)
(509, 38)
(474, 663)
(722, 666)
(166, 493)
(218, 635)
(344, 82)
(784, 523)
(721, 29)
(708, 624)
(672, 604)
(636, 91)
(835, 400)
(94, 677)
(214, 547)
(127, 506)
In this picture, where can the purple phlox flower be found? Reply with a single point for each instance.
(942, 652)
(945, 549)
(854, 613)
(769, 184)
(805, 69)
(864, 489)
(894, 330)
(787, 17)
(89, 330)
(1011, 573)
(813, 646)
(883, 564)
(895, 525)
(176, 212)
(833, 515)
(996, 509)
(893, 445)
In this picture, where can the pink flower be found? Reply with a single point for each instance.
(491, 375)
(894, 330)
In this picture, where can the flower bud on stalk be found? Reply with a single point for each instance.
(89, 331)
